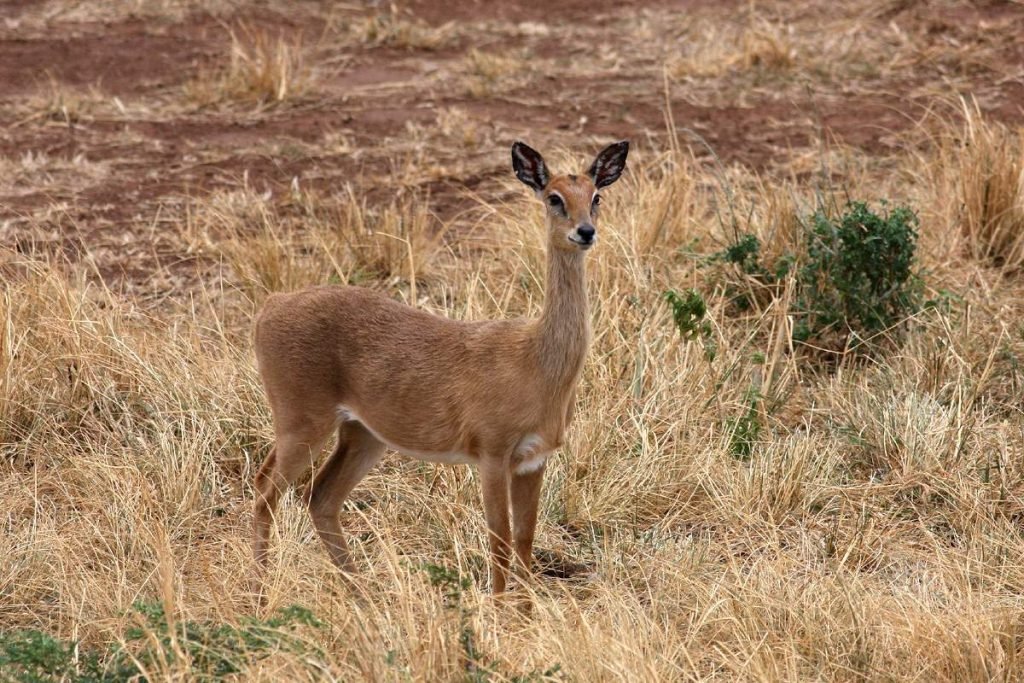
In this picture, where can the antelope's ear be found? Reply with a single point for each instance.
(529, 166)
(609, 164)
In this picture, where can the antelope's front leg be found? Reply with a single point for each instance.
(525, 501)
(494, 481)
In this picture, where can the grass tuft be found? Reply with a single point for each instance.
(391, 28)
(260, 69)
(988, 164)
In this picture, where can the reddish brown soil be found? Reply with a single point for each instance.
(160, 151)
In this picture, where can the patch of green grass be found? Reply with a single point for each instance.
(745, 429)
(212, 650)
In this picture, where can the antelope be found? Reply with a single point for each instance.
(498, 394)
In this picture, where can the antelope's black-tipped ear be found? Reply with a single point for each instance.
(529, 166)
(609, 164)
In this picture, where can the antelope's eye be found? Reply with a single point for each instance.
(555, 202)
(596, 203)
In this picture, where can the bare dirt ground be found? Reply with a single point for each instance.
(103, 145)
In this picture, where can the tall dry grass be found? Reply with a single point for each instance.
(872, 533)
(985, 163)
(259, 68)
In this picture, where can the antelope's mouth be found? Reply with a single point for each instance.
(581, 244)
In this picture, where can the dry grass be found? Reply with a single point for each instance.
(457, 125)
(391, 28)
(59, 12)
(972, 172)
(60, 104)
(488, 74)
(55, 105)
(35, 171)
(988, 179)
(259, 69)
(789, 47)
(313, 240)
(711, 50)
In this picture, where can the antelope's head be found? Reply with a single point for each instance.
(572, 201)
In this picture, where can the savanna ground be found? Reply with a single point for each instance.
(737, 502)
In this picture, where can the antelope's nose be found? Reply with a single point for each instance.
(586, 233)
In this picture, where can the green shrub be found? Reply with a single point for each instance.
(854, 277)
(688, 312)
(857, 280)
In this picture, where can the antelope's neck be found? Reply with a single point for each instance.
(564, 325)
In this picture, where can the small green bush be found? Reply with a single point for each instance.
(688, 313)
(855, 281)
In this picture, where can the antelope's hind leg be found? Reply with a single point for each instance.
(355, 455)
(293, 454)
